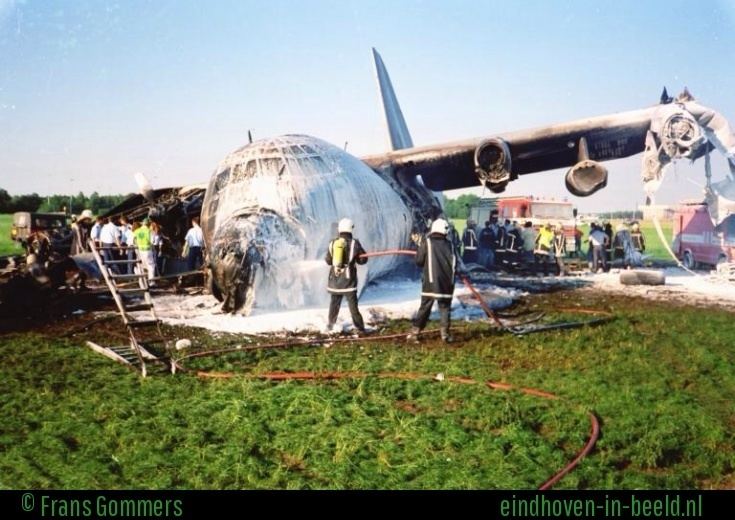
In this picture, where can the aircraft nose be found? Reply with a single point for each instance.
(253, 250)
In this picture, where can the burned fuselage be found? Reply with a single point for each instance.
(272, 206)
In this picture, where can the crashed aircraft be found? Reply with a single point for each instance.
(271, 206)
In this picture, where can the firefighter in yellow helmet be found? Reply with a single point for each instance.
(343, 255)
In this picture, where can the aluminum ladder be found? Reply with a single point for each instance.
(134, 355)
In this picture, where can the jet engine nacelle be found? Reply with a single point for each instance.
(586, 177)
(493, 164)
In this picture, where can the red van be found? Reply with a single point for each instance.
(698, 240)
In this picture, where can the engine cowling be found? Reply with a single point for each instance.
(585, 178)
(493, 164)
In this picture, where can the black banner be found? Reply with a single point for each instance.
(34, 504)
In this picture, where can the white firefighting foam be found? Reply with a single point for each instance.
(681, 287)
(386, 299)
(307, 186)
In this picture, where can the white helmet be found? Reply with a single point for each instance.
(345, 226)
(87, 213)
(440, 226)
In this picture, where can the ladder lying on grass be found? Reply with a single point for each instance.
(123, 288)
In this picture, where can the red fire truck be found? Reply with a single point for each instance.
(697, 240)
(522, 209)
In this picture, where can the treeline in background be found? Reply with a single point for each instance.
(459, 208)
(55, 203)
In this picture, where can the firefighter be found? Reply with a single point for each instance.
(343, 255)
(499, 246)
(487, 242)
(639, 243)
(544, 243)
(622, 235)
(437, 258)
(608, 229)
(453, 237)
(469, 241)
(513, 245)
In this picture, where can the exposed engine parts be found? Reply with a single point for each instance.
(493, 164)
(683, 129)
(587, 176)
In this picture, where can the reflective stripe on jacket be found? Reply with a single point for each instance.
(344, 279)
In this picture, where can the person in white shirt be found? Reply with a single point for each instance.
(598, 240)
(94, 234)
(126, 238)
(110, 239)
(195, 244)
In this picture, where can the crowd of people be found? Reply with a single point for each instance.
(496, 246)
(509, 246)
(119, 239)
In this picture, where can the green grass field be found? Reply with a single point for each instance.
(660, 379)
(7, 246)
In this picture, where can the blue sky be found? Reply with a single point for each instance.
(94, 91)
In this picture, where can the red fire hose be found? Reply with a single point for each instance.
(478, 297)
(285, 376)
(407, 252)
(412, 376)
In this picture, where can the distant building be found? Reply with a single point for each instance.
(529, 209)
(480, 211)
(660, 211)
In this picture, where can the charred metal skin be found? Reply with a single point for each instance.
(682, 128)
(493, 164)
(272, 206)
(675, 129)
(587, 176)
(238, 250)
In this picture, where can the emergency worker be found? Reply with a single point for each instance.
(437, 258)
(343, 255)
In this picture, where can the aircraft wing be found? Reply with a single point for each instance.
(454, 165)
(663, 132)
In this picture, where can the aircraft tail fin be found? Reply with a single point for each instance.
(397, 129)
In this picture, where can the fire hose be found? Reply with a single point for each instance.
(177, 364)
(405, 376)
(520, 329)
